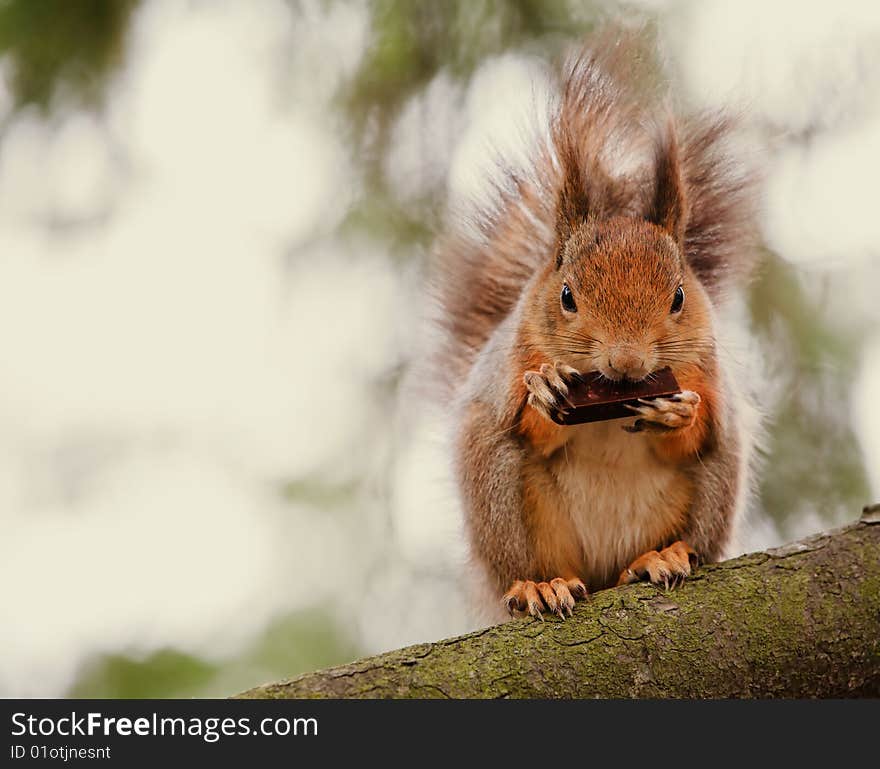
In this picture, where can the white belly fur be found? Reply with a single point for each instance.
(617, 493)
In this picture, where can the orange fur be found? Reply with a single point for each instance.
(557, 551)
(558, 595)
(666, 567)
(680, 445)
(681, 555)
(544, 435)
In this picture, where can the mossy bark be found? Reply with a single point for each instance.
(799, 621)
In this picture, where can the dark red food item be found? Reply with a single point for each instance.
(595, 398)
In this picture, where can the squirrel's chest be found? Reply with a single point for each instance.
(620, 498)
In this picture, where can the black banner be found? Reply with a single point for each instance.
(135, 733)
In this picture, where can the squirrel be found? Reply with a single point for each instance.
(611, 251)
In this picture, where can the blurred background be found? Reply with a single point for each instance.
(214, 223)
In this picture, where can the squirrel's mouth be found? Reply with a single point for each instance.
(615, 375)
(625, 361)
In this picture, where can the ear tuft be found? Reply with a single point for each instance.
(668, 208)
(573, 201)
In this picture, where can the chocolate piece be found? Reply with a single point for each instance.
(595, 398)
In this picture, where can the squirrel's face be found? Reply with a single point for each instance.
(624, 302)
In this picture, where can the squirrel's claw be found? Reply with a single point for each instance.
(670, 567)
(548, 388)
(664, 414)
(533, 600)
(557, 596)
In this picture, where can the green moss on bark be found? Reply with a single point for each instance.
(799, 621)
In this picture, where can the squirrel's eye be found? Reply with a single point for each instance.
(677, 300)
(568, 299)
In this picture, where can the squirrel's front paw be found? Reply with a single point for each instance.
(664, 414)
(558, 595)
(669, 567)
(548, 388)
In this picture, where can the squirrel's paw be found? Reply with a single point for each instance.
(548, 388)
(558, 596)
(669, 567)
(664, 414)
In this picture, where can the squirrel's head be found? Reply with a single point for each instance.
(620, 297)
(624, 302)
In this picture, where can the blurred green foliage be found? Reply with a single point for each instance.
(411, 43)
(813, 462)
(295, 644)
(70, 48)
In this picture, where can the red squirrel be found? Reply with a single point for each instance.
(611, 252)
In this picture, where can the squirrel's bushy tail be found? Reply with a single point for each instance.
(609, 126)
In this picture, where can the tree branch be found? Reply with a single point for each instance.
(798, 621)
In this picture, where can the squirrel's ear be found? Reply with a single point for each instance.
(572, 202)
(668, 208)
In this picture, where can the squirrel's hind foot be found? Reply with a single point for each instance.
(669, 567)
(558, 596)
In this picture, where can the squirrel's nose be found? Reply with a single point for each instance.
(627, 363)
